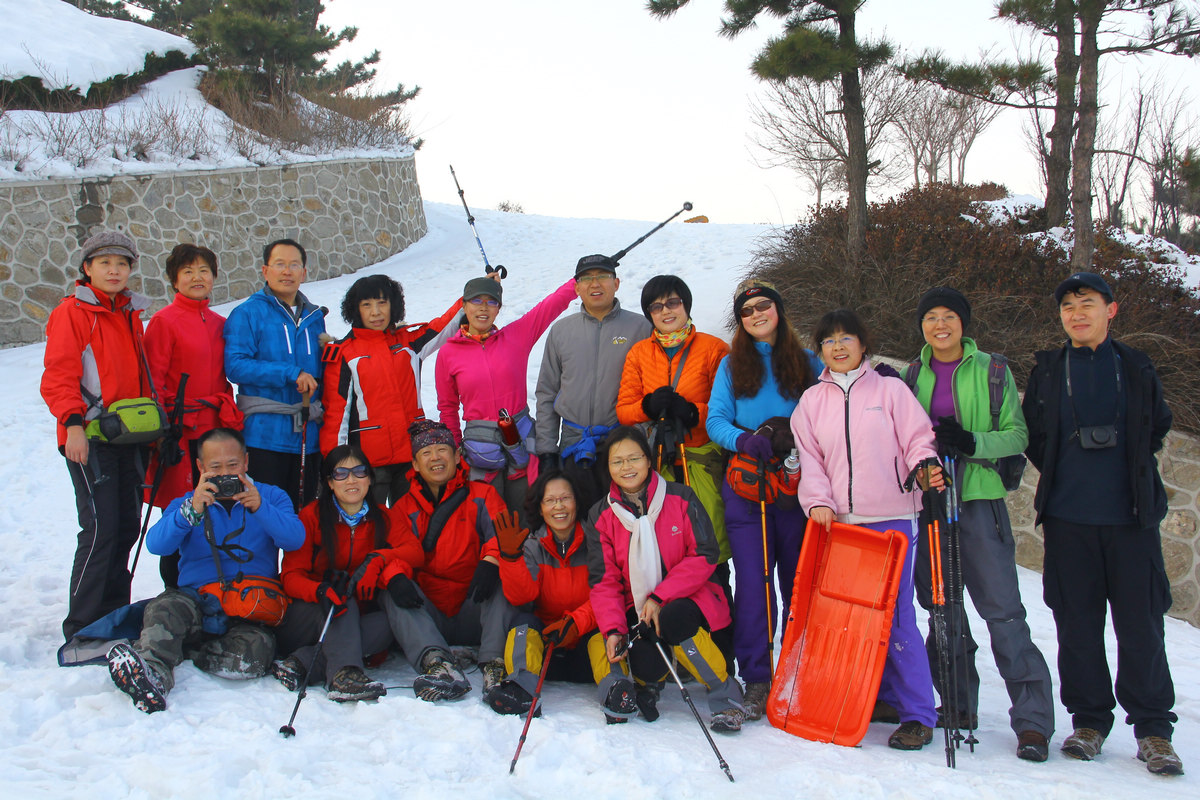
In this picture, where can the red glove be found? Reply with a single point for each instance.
(366, 577)
(510, 536)
(563, 633)
(331, 593)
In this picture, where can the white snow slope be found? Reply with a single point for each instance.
(69, 732)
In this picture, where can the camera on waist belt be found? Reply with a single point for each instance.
(227, 485)
(1098, 437)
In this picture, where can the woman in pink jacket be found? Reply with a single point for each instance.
(482, 369)
(864, 440)
(653, 547)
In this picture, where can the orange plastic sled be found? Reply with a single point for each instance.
(838, 628)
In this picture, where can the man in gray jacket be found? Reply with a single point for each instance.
(581, 373)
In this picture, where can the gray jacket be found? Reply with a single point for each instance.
(581, 373)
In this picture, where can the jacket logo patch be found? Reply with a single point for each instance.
(874, 408)
(674, 530)
(620, 340)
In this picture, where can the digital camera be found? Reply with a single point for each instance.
(1098, 437)
(227, 486)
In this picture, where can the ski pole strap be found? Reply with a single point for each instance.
(499, 269)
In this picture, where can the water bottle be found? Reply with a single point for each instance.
(508, 428)
(791, 469)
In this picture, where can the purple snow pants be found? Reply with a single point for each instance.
(907, 684)
(785, 532)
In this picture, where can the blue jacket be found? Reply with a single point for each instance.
(264, 533)
(729, 417)
(265, 351)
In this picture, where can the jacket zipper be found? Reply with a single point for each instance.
(849, 454)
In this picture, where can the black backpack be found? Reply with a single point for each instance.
(1009, 468)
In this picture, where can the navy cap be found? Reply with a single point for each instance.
(1083, 280)
(595, 262)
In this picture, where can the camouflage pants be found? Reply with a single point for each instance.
(171, 632)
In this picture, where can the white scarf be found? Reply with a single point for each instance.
(645, 563)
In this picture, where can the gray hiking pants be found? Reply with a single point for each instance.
(989, 573)
(350, 637)
(171, 632)
(420, 630)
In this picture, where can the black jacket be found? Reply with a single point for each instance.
(1147, 421)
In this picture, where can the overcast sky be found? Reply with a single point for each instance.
(593, 108)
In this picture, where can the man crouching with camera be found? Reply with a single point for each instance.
(228, 534)
(1096, 417)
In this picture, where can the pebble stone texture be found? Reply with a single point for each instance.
(346, 213)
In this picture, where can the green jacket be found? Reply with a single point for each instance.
(973, 411)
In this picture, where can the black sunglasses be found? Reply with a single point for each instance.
(341, 473)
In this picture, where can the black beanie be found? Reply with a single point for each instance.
(753, 289)
(945, 296)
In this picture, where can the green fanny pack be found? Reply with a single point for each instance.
(137, 420)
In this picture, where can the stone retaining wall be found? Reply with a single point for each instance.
(346, 213)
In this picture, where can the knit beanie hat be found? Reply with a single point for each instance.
(947, 297)
(486, 287)
(425, 432)
(754, 289)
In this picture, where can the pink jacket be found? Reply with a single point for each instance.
(857, 447)
(689, 552)
(484, 377)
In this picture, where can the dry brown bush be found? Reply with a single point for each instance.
(924, 238)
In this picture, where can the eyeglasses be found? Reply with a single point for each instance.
(762, 305)
(600, 277)
(286, 266)
(932, 320)
(844, 341)
(672, 303)
(484, 300)
(342, 473)
(550, 502)
(632, 461)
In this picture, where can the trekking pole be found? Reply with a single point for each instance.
(287, 730)
(762, 510)
(171, 440)
(939, 627)
(691, 705)
(305, 403)
(687, 479)
(487, 268)
(618, 256)
(954, 559)
(537, 696)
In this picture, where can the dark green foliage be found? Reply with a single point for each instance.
(29, 92)
(922, 239)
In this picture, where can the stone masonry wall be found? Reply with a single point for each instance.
(1179, 462)
(346, 214)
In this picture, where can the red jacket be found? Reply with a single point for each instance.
(453, 548)
(305, 568)
(556, 584)
(186, 337)
(92, 344)
(373, 387)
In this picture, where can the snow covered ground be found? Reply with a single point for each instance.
(67, 732)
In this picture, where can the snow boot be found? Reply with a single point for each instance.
(351, 684)
(1083, 743)
(755, 699)
(621, 702)
(509, 697)
(911, 735)
(1159, 755)
(440, 679)
(493, 674)
(647, 701)
(136, 678)
(288, 671)
(728, 721)
(1032, 746)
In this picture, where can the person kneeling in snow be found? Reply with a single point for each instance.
(453, 599)
(229, 526)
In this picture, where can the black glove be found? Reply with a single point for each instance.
(657, 402)
(687, 413)
(404, 592)
(484, 582)
(755, 445)
(549, 461)
(951, 436)
(331, 592)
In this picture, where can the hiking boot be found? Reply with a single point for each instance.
(509, 697)
(911, 735)
(1159, 756)
(728, 721)
(1032, 746)
(647, 701)
(966, 720)
(441, 679)
(136, 678)
(755, 699)
(609, 719)
(351, 684)
(493, 674)
(1083, 743)
(623, 699)
(883, 712)
(288, 671)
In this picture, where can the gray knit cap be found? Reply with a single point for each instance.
(110, 243)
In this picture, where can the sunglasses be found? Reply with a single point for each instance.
(342, 473)
(673, 303)
(750, 310)
(484, 300)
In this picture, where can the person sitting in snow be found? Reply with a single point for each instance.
(229, 526)
(453, 598)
